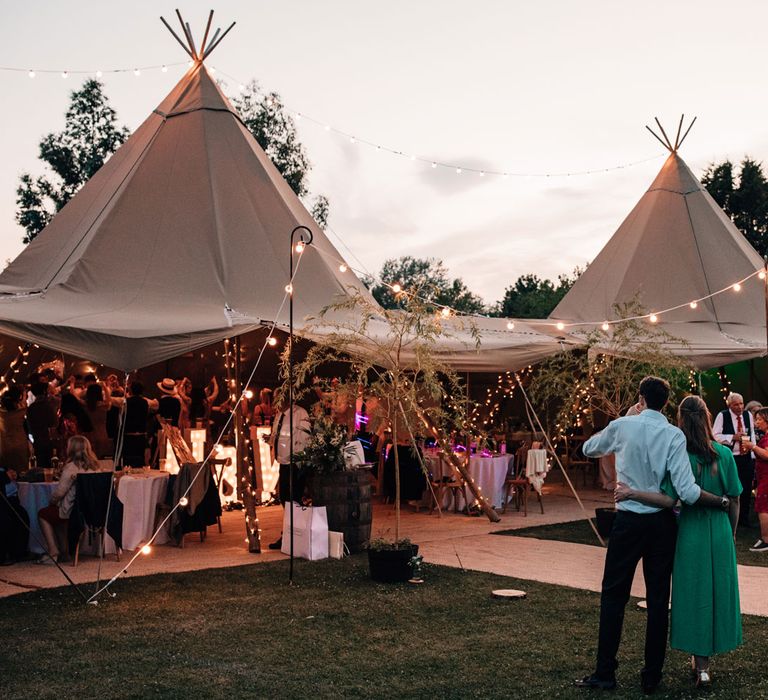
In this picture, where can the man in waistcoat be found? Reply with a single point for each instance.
(730, 426)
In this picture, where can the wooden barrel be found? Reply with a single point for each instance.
(347, 499)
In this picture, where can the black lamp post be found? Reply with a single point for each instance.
(305, 238)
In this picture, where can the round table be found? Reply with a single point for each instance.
(35, 497)
(488, 473)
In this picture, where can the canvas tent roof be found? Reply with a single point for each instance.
(675, 246)
(179, 240)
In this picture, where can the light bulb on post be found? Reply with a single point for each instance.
(289, 288)
(300, 247)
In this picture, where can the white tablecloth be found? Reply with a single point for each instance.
(34, 497)
(536, 468)
(488, 473)
(140, 495)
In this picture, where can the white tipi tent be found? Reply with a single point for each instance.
(676, 246)
(181, 239)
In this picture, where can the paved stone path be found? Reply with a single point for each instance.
(451, 540)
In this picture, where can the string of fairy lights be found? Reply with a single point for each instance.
(272, 101)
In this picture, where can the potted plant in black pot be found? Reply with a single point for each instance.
(344, 490)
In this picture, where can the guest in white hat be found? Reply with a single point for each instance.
(169, 405)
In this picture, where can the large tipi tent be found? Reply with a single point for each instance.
(179, 240)
(677, 246)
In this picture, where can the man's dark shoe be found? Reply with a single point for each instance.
(648, 685)
(595, 683)
(276, 545)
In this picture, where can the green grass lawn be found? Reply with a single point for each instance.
(244, 632)
(580, 532)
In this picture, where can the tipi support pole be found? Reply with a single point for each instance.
(765, 296)
(176, 36)
(306, 240)
(207, 29)
(214, 44)
(244, 466)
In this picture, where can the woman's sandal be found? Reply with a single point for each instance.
(703, 679)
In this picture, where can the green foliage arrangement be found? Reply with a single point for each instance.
(323, 453)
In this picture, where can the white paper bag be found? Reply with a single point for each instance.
(310, 532)
(335, 544)
(353, 454)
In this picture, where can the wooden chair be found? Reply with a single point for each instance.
(453, 484)
(217, 472)
(517, 484)
(574, 459)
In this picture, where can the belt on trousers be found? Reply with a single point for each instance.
(144, 434)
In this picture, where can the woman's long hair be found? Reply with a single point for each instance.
(80, 452)
(695, 421)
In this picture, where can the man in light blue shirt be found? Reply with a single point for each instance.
(647, 449)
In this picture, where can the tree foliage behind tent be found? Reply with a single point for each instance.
(91, 134)
(744, 197)
(427, 274)
(533, 297)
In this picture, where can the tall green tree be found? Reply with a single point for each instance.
(267, 118)
(72, 156)
(743, 196)
(430, 276)
(533, 297)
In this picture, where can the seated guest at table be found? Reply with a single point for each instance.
(54, 518)
(169, 403)
(14, 443)
(264, 411)
(96, 406)
(14, 521)
(42, 420)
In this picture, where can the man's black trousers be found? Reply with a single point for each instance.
(650, 537)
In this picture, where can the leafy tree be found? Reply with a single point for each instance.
(601, 379)
(320, 210)
(91, 134)
(743, 198)
(533, 297)
(428, 275)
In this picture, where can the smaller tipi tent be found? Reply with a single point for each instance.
(676, 246)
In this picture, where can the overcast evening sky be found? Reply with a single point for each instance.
(544, 87)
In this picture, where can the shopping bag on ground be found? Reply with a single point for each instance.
(310, 532)
(335, 544)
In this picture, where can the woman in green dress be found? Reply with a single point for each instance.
(706, 617)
